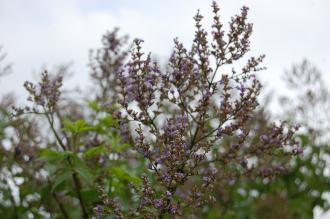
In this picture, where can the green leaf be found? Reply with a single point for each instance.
(93, 105)
(50, 155)
(65, 176)
(90, 196)
(78, 126)
(85, 173)
(107, 121)
(91, 152)
(304, 139)
(116, 144)
(122, 174)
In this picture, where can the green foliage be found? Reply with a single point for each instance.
(77, 127)
(94, 151)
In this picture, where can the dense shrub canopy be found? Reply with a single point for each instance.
(185, 140)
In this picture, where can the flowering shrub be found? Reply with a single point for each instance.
(190, 121)
(152, 142)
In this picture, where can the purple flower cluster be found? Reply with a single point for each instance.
(194, 122)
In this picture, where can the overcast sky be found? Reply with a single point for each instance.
(38, 33)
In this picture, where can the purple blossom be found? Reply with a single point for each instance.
(264, 138)
(158, 203)
(207, 179)
(185, 132)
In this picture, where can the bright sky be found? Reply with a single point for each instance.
(38, 33)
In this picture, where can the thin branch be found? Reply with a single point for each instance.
(60, 205)
(76, 181)
(51, 123)
(78, 190)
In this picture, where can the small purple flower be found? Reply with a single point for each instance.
(219, 133)
(99, 208)
(150, 166)
(166, 178)
(280, 168)
(179, 175)
(235, 147)
(173, 209)
(207, 179)
(296, 126)
(213, 170)
(244, 163)
(264, 138)
(298, 150)
(187, 153)
(99, 211)
(245, 10)
(236, 56)
(158, 203)
(149, 80)
(159, 161)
